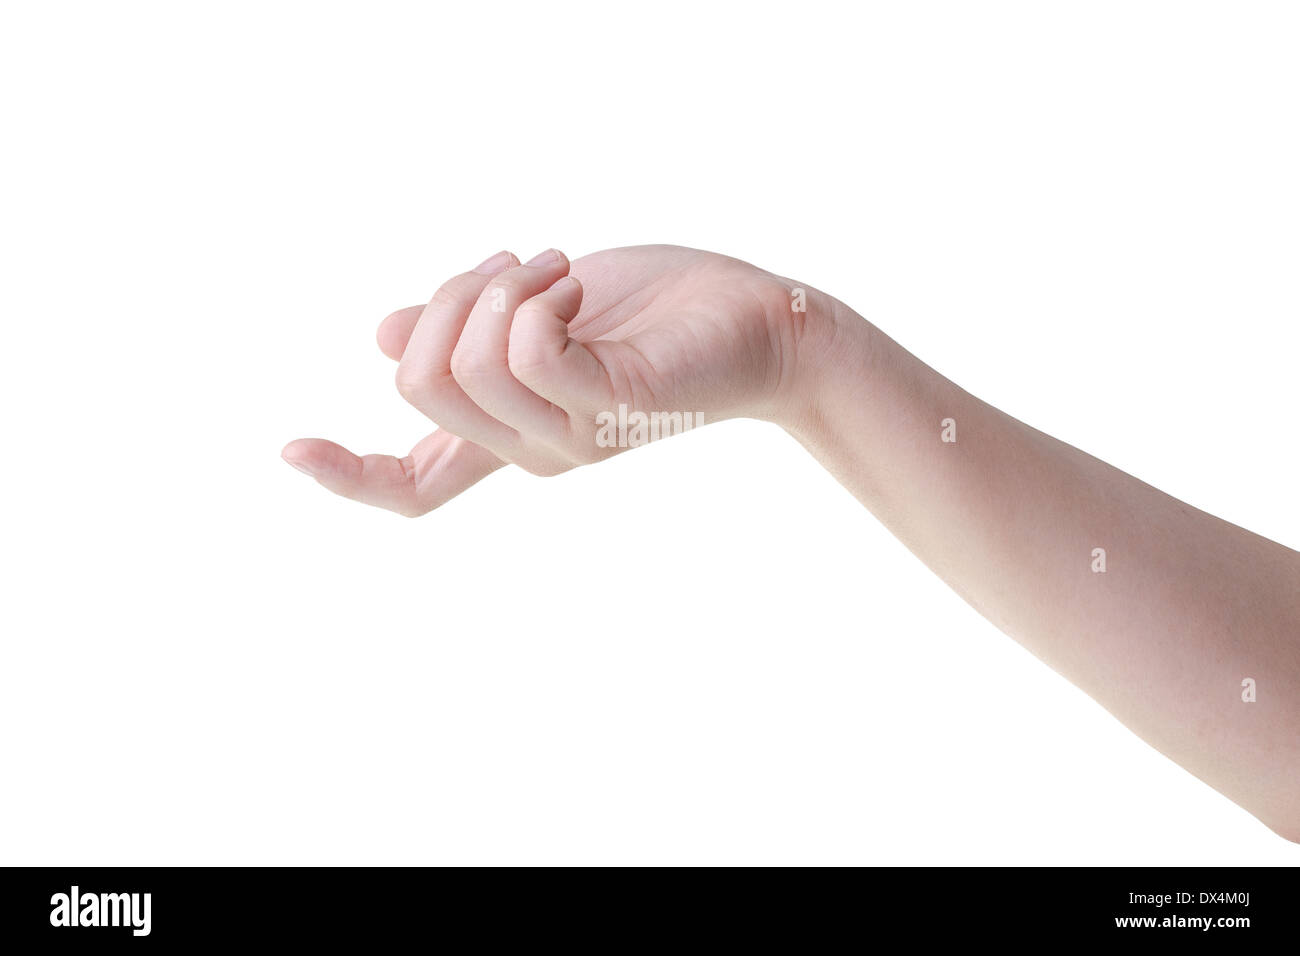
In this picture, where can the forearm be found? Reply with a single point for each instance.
(1187, 607)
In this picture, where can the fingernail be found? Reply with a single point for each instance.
(301, 467)
(493, 265)
(543, 258)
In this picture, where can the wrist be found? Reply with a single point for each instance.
(831, 350)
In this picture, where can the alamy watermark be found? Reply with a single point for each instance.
(76, 908)
(624, 429)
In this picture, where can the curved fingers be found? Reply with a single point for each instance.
(480, 361)
(543, 357)
(424, 376)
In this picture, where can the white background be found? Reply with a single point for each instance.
(702, 652)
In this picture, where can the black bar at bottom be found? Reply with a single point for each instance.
(384, 908)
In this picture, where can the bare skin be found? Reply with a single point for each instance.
(515, 362)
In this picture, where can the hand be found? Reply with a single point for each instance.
(526, 364)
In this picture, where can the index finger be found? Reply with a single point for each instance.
(438, 468)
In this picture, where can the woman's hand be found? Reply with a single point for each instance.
(521, 364)
(527, 364)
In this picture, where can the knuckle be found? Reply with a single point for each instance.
(456, 294)
(528, 351)
(468, 365)
(532, 312)
(411, 385)
(504, 289)
(420, 385)
(525, 359)
(533, 315)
